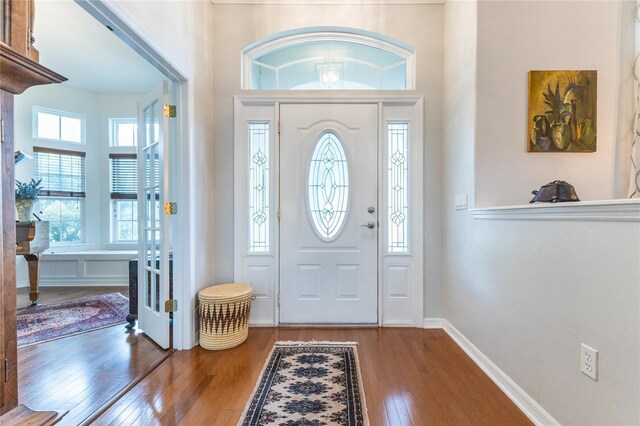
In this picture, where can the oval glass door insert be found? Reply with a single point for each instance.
(328, 186)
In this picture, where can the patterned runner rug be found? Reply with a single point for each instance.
(40, 323)
(309, 383)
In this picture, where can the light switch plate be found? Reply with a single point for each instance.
(461, 201)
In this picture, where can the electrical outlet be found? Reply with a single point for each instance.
(461, 202)
(589, 361)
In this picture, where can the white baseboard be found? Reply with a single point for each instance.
(433, 323)
(261, 323)
(524, 401)
(76, 283)
(86, 282)
(398, 324)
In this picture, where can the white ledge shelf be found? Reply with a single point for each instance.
(605, 210)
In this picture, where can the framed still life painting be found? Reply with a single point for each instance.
(562, 111)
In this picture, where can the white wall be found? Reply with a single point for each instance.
(236, 26)
(527, 293)
(459, 116)
(515, 37)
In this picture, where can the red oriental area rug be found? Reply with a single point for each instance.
(41, 323)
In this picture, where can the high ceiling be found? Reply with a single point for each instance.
(72, 43)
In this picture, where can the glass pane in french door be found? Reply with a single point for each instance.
(152, 207)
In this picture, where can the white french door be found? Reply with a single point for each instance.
(328, 213)
(153, 245)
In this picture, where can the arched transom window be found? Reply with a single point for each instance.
(328, 59)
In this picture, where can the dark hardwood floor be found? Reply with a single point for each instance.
(411, 377)
(58, 294)
(81, 373)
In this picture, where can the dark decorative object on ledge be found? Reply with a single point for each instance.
(556, 191)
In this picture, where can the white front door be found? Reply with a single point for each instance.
(328, 213)
(153, 247)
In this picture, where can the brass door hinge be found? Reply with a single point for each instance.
(171, 305)
(278, 127)
(169, 111)
(170, 208)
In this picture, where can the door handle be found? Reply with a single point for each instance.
(371, 224)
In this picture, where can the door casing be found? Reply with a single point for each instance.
(393, 309)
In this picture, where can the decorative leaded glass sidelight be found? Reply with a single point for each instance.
(398, 187)
(259, 187)
(328, 186)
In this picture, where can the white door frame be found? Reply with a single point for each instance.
(400, 277)
(183, 231)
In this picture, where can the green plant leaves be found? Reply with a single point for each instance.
(28, 191)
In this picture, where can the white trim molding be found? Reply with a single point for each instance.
(129, 30)
(529, 406)
(329, 2)
(605, 210)
(431, 323)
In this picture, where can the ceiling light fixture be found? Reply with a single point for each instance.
(329, 73)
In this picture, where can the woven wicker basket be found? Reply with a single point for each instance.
(224, 315)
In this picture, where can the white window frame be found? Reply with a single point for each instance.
(318, 34)
(78, 199)
(83, 125)
(113, 204)
(253, 241)
(113, 134)
(391, 247)
(81, 205)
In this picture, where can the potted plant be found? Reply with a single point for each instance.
(26, 196)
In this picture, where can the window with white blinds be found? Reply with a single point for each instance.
(62, 172)
(124, 176)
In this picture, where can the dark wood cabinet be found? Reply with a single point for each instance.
(20, 70)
